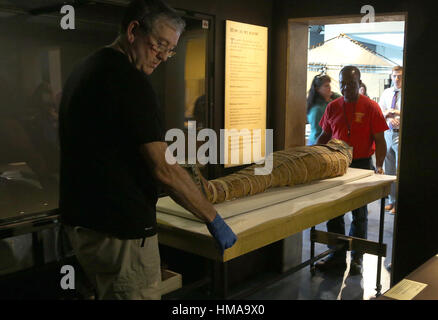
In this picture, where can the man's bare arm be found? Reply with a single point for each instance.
(177, 182)
(323, 138)
(379, 139)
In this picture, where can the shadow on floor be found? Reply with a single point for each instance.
(302, 285)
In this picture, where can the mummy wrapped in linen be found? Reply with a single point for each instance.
(292, 166)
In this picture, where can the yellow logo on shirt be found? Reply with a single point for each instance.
(358, 117)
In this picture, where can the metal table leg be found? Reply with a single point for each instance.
(379, 257)
(312, 250)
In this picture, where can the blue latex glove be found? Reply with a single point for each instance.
(222, 233)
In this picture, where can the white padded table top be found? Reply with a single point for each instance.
(271, 223)
(268, 198)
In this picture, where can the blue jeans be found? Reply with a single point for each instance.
(359, 225)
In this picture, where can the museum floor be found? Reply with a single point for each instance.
(303, 286)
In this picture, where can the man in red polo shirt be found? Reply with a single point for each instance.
(357, 120)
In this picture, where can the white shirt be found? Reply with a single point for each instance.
(386, 101)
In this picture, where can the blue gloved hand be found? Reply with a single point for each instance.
(222, 233)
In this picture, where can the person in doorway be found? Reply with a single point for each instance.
(113, 161)
(357, 120)
(390, 102)
(320, 94)
(363, 89)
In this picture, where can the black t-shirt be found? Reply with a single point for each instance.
(108, 109)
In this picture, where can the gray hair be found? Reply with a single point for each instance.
(148, 13)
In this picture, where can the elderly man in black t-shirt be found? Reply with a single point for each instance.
(113, 158)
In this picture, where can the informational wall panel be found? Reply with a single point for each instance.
(246, 53)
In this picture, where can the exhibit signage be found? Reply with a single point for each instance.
(246, 58)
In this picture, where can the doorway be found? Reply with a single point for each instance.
(311, 34)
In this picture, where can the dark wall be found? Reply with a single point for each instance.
(416, 221)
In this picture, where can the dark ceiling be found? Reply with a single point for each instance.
(51, 6)
(28, 6)
(103, 12)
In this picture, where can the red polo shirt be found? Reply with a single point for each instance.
(364, 118)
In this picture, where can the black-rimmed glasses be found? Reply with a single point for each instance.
(159, 45)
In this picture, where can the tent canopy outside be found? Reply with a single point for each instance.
(332, 55)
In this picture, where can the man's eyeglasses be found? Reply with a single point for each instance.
(159, 46)
(162, 47)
